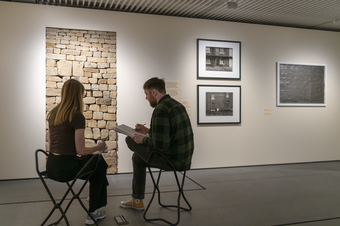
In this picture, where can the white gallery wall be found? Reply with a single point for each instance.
(150, 45)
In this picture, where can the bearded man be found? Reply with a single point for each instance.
(170, 133)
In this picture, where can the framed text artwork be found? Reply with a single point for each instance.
(218, 59)
(217, 104)
(301, 84)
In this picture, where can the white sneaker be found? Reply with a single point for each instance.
(97, 215)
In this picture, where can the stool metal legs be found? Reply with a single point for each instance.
(180, 194)
(57, 205)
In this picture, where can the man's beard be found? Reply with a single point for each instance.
(153, 102)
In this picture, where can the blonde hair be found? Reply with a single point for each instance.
(71, 100)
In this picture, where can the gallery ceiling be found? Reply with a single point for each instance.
(309, 14)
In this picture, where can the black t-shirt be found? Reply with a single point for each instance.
(62, 136)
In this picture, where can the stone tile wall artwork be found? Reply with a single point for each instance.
(89, 57)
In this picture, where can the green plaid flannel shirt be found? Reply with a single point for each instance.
(171, 133)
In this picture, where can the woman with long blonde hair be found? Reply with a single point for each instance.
(67, 151)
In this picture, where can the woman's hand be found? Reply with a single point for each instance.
(101, 146)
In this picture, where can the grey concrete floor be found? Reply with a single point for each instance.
(305, 194)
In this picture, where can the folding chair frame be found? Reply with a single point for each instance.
(57, 205)
(156, 188)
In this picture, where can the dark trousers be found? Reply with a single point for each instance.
(64, 168)
(139, 158)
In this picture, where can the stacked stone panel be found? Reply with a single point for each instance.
(89, 57)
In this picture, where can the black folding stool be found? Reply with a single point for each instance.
(156, 188)
(57, 205)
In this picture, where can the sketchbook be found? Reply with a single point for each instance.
(127, 130)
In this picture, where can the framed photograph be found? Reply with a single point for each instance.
(301, 84)
(218, 59)
(218, 104)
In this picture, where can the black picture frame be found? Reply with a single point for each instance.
(218, 104)
(218, 59)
